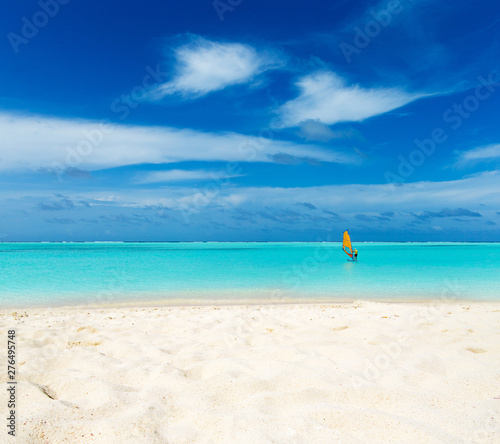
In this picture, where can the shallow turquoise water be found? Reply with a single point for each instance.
(91, 273)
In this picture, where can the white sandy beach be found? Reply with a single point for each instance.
(350, 373)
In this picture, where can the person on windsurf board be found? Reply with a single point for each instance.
(347, 247)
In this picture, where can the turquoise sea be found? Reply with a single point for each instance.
(52, 274)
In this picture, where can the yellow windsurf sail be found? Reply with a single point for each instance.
(346, 244)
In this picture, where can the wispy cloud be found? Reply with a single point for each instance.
(480, 154)
(315, 130)
(370, 218)
(61, 204)
(326, 97)
(34, 142)
(182, 176)
(62, 221)
(134, 219)
(308, 205)
(288, 159)
(372, 208)
(426, 198)
(203, 66)
(447, 212)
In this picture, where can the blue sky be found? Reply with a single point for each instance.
(250, 120)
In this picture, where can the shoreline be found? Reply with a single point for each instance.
(243, 303)
(180, 302)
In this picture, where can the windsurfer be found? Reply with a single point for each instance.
(347, 247)
(356, 255)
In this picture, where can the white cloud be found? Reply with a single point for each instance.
(182, 176)
(417, 203)
(32, 142)
(418, 196)
(203, 66)
(479, 192)
(480, 154)
(324, 96)
(317, 131)
(412, 197)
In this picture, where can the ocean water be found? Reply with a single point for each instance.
(54, 274)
